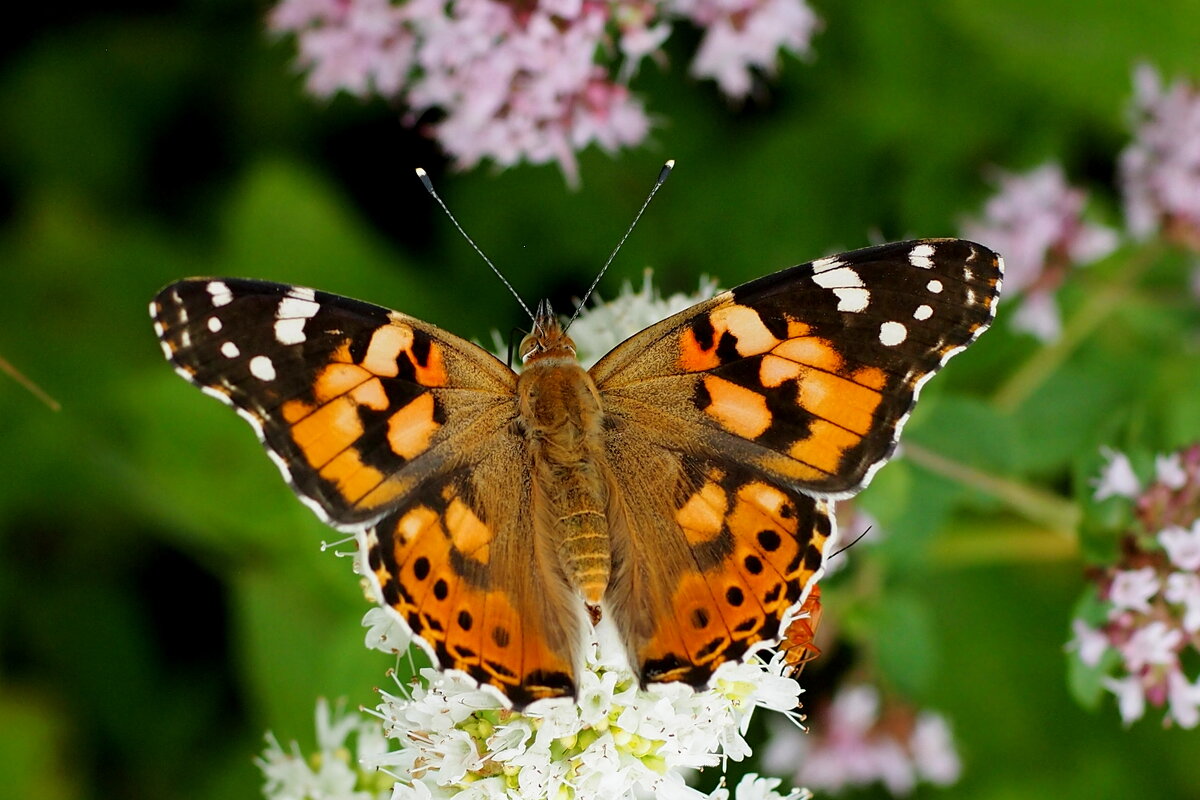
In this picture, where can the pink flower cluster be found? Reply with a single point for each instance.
(534, 81)
(1036, 220)
(1152, 596)
(861, 740)
(1160, 169)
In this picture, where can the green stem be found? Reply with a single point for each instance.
(1046, 509)
(1095, 309)
(1003, 543)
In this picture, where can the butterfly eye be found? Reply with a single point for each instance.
(529, 346)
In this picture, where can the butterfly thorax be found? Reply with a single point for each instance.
(559, 413)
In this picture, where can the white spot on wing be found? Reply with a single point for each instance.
(262, 368)
(934, 286)
(230, 350)
(923, 312)
(921, 256)
(846, 284)
(827, 263)
(290, 307)
(290, 331)
(214, 324)
(302, 293)
(159, 330)
(892, 334)
(221, 295)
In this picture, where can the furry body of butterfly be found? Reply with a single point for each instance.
(559, 413)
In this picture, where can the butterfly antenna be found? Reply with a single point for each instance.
(857, 539)
(662, 177)
(428, 184)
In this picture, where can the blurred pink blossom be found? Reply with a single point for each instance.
(1160, 169)
(1036, 220)
(535, 82)
(860, 739)
(1151, 596)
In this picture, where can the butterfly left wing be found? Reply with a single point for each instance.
(355, 404)
(752, 410)
(388, 426)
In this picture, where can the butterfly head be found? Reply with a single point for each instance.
(547, 339)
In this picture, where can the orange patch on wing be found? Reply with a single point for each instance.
(796, 328)
(468, 532)
(839, 400)
(773, 370)
(336, 380)
(739, 410)
(412, 428)
(693, 357)
(872, 377)
(327, 431)
(352, 478)
(295, 410)
(414, 522)
(702, 517)
(746, 326)
(434, 371)
(386, 344)
(812, 351)
(825, 447)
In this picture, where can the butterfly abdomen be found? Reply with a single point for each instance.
(559, 412)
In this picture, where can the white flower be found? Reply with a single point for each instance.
(332, 773)
(619, 740)
(1183, 588)
(1132, 589)
(933, 751)
(1169, 471)
(603, 325)
(1183, 699)
(1131, 700)
(1116, 477)
(1089, 642)
(1182, 546)
(384, 631)
(1153, 644)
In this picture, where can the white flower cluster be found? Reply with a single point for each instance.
(451, 739)
(455, 740)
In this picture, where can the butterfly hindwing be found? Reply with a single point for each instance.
(456, 561)
(355, 403)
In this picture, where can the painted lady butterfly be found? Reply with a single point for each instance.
(682, 487)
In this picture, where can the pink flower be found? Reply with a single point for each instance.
(860, 740)
(745, 36)
(1132, 589)
(1152, 593)
(1160, 169)
(1182, 546)
(1036, 220)
(1089, 642)
(534, 82)
(1116, 477)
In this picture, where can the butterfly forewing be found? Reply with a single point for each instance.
(351, 400)
(809, 373)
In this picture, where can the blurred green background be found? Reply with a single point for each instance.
(163, 597)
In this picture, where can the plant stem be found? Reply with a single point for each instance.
(1095, 309)
(1058, 515)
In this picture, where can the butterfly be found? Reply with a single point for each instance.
(682, 487)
